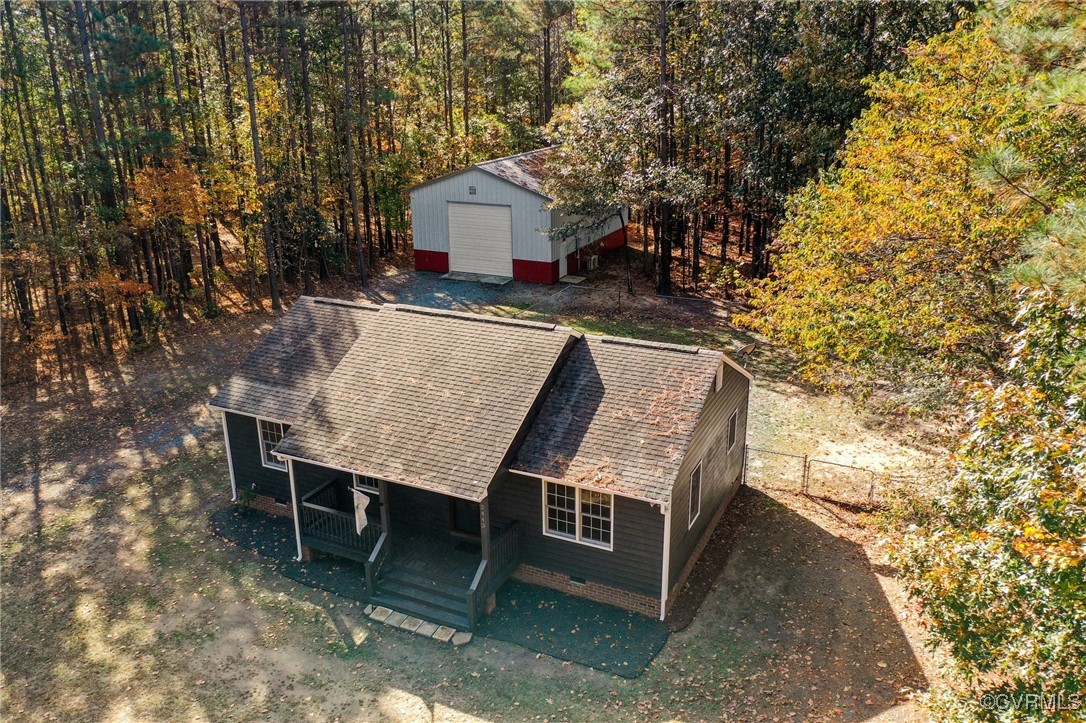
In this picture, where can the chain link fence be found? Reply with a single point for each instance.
(800, 474)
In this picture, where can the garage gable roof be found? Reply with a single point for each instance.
(279, 378)
(433, 399)
(526, 170)
(620, 416)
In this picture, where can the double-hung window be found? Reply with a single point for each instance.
(577, 514)
(271, 433)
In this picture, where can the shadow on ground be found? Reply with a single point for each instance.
(802, 612)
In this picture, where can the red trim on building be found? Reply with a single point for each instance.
(540, 272)
(432, 261)
(573, 262)
(611, 241)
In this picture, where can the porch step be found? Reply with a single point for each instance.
(423, 597)
(403, 577)
(420, 609)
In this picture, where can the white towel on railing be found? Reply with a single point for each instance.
(361, 501)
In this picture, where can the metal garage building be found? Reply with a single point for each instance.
(492, 219)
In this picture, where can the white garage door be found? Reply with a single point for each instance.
(481, 239)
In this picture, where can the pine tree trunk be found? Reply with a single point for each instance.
(258, 162)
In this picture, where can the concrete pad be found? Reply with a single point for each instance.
(411, 624)
(395, 619)
(426, 630)
(478, 278)
(444, 634)
(380, 613)
(569, 279)
(461, 639)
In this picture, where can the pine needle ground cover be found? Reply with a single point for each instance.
(547, 621)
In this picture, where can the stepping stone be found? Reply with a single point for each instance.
(411, 624)
(461, 639)
(426, 630)
(368, 610)
(395, 619)
(444, 634)
(380, 613)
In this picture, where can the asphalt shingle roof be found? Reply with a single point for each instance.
(290, 365)
(429, 398)
(620, 416)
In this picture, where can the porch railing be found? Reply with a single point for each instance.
(325, 525)
(375, 562)
(491, 573)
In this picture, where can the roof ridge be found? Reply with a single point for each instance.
(480, 164)
(367, 305)
(680, 348)
(472, 316)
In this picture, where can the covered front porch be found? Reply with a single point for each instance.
(430, 555)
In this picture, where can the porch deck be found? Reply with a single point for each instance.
(442, 557)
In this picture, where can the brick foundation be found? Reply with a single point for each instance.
(606, 594)
(270, 506)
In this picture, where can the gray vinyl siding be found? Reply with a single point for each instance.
(308, 477)
(720, 470)
(249, 470)
(530, 217)
(633, 564)
(418, 509)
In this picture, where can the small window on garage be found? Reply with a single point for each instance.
(733, 428)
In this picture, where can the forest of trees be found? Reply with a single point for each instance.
(944, 260)
(903, 183)
(137, 135)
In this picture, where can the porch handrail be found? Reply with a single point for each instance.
(491, 573)
(375, 562)
(317, 490)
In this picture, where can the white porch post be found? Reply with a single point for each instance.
(296, 507)
(229, 459)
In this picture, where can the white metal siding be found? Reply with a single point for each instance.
(530, 218)
(480, 239)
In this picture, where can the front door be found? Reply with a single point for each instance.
(464, 517)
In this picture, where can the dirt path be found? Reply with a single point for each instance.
(119, 603)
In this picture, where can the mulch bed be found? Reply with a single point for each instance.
(571, 628)
(547, 621)
(273, 539)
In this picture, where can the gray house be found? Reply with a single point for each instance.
(486, 448)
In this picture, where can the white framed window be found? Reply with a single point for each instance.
(366, 484)
(271, 434)
(695, 495)
(733, 428)
(577, 514)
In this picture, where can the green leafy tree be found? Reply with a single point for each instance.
(892, 265)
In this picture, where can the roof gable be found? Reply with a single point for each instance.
(524, 170)
(429, 398)
(620, 416)
(279, 378)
